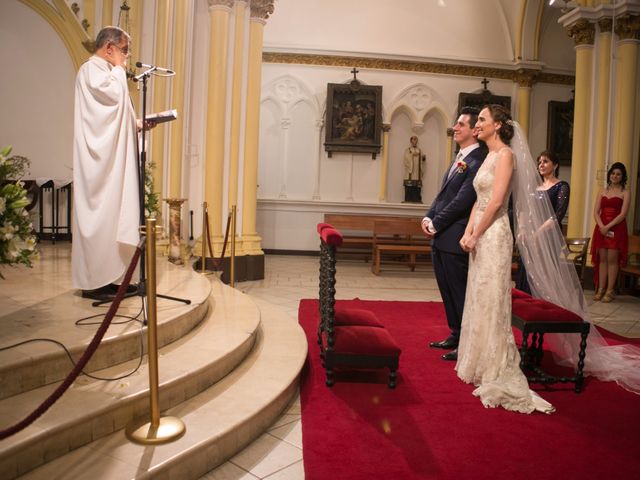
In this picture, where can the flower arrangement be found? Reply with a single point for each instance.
(151, 202)
(462, 166)
(17, 242)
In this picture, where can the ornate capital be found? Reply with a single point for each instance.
(526, 77)
(386, 127)
(582, 32)
(628, 27)
(261, 9)
(221, 3)
(605, 24)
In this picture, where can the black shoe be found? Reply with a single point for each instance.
(101, 294)
(452, 355)
(448, 344)
(130, 289)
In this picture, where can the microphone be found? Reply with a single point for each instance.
(157, 69)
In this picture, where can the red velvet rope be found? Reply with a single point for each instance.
(217, 261)
(86, 356)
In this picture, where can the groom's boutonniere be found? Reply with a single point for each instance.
(462, 166)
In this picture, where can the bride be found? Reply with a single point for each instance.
(487, 353)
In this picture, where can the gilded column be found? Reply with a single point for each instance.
(107, 13)
(525, 78)
(89, 13)
(384, 164)
(625, 123)
(159, 87)
(182, 14)
(135, 19)
(583, 33)
(316, 169)
(219, 11)
(601, 116)
(236, 99)
(260, 11)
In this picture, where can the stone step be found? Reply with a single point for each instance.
(92, 409)
(36, 364)
(220, 421)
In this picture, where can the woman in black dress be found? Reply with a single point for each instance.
(558, 192)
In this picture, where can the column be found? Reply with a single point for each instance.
(136, 9)
(260, 11)
(236, 99)
(89, 14)
(601, 114)
(182, 14)
(316, 169)
(525, 78)
(107, 13)
(384, 164)
(159, 87)
(625, 124)
(219, 11)
(583, 33)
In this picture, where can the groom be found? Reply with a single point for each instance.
(445, 224)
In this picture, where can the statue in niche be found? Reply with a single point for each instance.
(414, 161)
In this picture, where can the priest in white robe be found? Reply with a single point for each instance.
(105, 167)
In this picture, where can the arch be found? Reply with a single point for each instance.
(66, 25)
(416, 101)
(287, 91)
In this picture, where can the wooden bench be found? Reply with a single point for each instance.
(402, 236)
(357, 231)
(632, 268)
(349, 337)
(535, 317)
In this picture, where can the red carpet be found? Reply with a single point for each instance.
(431, 426)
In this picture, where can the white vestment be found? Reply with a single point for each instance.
(105, 176)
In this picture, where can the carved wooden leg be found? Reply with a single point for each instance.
(581, 355)
(392, 379)
(330, 379)
(539, 350)
(524, 350)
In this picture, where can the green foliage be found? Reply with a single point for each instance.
(17, 243)
(151, 200)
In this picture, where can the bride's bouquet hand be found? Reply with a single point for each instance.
(468, 243)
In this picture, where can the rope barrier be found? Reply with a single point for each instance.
(86, 356)
(217, 261)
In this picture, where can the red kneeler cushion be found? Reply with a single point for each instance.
(537, 310)
(321, 226)
(361, 340)
(355, 316)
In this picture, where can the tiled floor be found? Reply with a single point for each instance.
(277, 454)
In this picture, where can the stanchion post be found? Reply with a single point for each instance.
(159, 429)
(232, 259)
(203, 259)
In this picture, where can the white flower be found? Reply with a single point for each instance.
(13, 250)
(3, 204)
(6, 231)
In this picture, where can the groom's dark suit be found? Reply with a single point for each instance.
(449, 215)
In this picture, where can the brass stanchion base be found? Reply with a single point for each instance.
(168, 430)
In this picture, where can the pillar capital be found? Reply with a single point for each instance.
(628, 27)
(526, 77)
(386, 127)
(605, 24)
(224, 4)
(261, 9)
(582, 31)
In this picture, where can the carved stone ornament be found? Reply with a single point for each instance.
(409, 66)
(605, 24)
(261, 8)
(583, 32)
(222, 3)
(628, 27)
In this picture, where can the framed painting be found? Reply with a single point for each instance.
(354, 118)
(479, 100)
(560, 130)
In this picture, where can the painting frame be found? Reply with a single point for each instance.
(560, 130)
(353, 120)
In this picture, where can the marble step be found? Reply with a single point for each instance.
(92, 409)
(33, 365)
(220, 421)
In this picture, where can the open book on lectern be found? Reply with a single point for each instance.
(161, 117)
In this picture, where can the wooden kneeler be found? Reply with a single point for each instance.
(349, 337)
(535, 317)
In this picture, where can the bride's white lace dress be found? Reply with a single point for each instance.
(487, 353)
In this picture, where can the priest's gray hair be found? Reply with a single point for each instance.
(112, 35)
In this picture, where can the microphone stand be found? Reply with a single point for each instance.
(142, 284)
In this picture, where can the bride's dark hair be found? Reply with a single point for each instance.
(501, 114)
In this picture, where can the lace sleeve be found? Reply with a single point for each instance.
(562, 201)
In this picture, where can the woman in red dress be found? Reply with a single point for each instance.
(610, 238)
